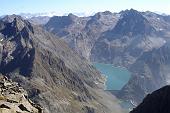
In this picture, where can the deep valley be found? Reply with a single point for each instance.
(106, 62)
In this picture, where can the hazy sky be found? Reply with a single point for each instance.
(79, 6)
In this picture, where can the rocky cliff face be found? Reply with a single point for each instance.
(14, 99)
(149, 72)
(54, 76)
(156, 102)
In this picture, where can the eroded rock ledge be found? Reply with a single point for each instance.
(14, 99)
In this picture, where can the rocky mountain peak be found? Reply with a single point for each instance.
(16, 42)
(57, 22)
(101, 19)
(133, 23)
(100, 14)
(131, 12)
(13, 24)
(10, 18)
(72, 16)
(107, 13)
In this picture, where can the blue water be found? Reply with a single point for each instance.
(117, 77)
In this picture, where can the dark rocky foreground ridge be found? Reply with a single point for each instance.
(156, 102)
(136, 40)
(53, 75)
(14, 99)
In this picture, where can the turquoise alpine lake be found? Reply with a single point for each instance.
(117, 77)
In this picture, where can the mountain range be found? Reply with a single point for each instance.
(51, 58)
(55, 77)
(138, 41)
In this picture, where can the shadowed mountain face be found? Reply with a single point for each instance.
(132, 23)
(54, 76)
(156, 102)
(131, 39)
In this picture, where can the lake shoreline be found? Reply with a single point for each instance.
(110, 64)
(115, 76)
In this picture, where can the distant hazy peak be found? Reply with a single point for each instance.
(104, 13)
(72, 15)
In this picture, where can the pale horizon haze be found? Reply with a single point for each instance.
(61, 7)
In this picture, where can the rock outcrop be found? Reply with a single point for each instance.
(14, 99)
(156, 102)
